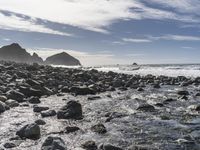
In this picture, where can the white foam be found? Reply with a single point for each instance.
(172, 71)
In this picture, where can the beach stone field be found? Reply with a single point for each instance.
(51, 108)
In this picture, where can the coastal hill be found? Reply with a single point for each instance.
(62, 59)
(14, 52)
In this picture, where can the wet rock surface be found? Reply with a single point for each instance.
(89, 109)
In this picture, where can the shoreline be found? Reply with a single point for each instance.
(120, 110)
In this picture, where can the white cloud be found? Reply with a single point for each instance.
(136, 40)
(94, 15)
(177, 38)
(14, 22)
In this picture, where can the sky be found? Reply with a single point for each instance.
(101, 32)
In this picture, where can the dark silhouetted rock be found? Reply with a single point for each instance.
(62, 59)
(81, 90)
(89, 145)
(73, 110)
(71, 129)
(53, 143)
(9, 145)
(40, 108)
(34, 100)
(2, 107)
(146, 107)
(99, 128)
(40, 122)
(12, 103)
(48, 113)
(110, 147)
(15, 52)
(30, 131)
(15, 95)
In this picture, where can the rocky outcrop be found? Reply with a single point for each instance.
(62, 59)
(16, 53)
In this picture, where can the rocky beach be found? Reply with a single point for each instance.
(51, 108)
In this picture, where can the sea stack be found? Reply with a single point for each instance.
(62, 59)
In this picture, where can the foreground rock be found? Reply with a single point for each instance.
(73, 110)
(30, 131)
(99, 128)
(2, 107)
(53, 143)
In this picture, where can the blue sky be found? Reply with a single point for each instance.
(105, 31)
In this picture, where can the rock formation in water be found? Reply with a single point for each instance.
(62, 59)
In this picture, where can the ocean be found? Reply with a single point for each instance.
(171, 70)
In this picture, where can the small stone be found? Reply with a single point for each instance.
(183, 93)
(2, 107)
(12, 103)
(71, 129)
(110, 147)
(53, 143)
(40, 108)
(40, 122)
(48, 113)
(89, 145)
(9, 145)
(3, 98)
(34, 100)
(99, 128)
(146, 107)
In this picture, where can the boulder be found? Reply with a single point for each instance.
(73, 110)
(34, 100)
(71, 129)
(40, 108)
(2, 107)
(110, 147)
(48, 113)
(3, 98)
(146, 107)
(53, 143)
(183, 93)
(81, 90)
(40, 122)
(99, 128)
(12, 103)
(15, 95)
(89, 145)
(30, 131)
(9, 145)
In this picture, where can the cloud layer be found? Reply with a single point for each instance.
(94, 15)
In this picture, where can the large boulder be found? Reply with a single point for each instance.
(15, 95)
(73, 110)
(2, 107)
(30, 131)
(53, 143)
(3, 98)
(81, 90)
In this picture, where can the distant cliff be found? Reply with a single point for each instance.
(16, 53)
(62, 59)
